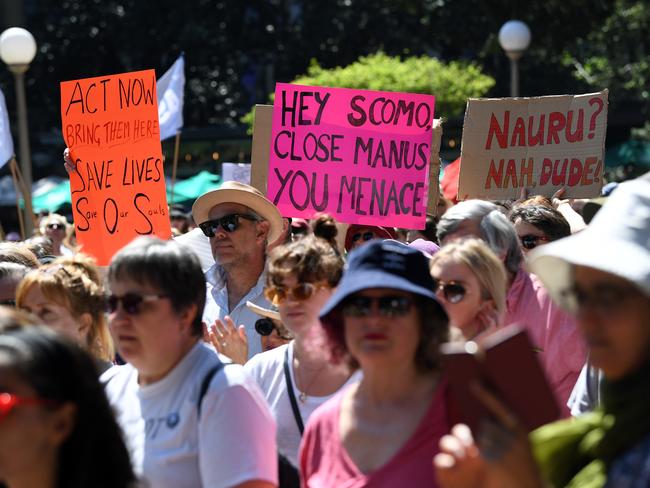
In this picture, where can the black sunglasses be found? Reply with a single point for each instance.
(530, 241)
(229, 223)
(389, 306)
(130, 302)
(264, 327)
(54, 226)
(453, 291)
(8, 303)
(366, 236)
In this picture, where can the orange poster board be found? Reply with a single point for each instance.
(110, 124)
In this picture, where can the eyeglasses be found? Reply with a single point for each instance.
(602, 299)
(299, 293)
(389, 306)
(453, 291)
(366, 236)
(229, 223)
(54, 226)
(10, 302)
(130, 302)
(9, 401)
(530, 241)
(265, 327)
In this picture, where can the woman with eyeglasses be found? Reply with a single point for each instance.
(67, 296)
(537, 225)
(232, 341)
(383, 430)
(57, 429)
(55, 227)
(299, 377)
(357, 235)
(602, 276)
(470, 282)
(188, 418)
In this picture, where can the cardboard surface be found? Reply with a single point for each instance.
(541, 143)
(110, 124)
(362, 156)
(261, 146)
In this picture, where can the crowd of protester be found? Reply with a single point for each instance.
(252, 350)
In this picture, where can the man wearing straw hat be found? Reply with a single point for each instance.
(240, 223)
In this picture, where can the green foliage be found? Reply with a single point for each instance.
(452, 83)
(616, 55)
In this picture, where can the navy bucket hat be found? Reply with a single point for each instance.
(381, 264)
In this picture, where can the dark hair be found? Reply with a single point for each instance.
(430, 229)
(548, 220)
(434, 331)
(41, 246)
(167, 266)
(17, 252)
(309, 259)
(324, 226)
(94, 454)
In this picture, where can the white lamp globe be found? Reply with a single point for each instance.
(514, 35)
(17, 46)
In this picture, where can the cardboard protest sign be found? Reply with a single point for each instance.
(362, 156)
(541, 143)
(261, 146)
(110, 124)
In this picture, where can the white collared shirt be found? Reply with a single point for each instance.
(216, 305)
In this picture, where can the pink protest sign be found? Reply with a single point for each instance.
(362, 156)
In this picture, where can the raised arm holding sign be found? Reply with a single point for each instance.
(110, 124)
(361, 156)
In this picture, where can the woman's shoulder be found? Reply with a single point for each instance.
(267, 360)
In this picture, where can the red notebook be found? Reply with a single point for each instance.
(504, 362)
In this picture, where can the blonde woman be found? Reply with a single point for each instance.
(55, 227)
(67, 296)
(470, 282)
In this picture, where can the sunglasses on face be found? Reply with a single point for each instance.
(229, 223)
(8, 303)
(299, 293)
(54, 226)
(389, 306)
(130, 302)
(9, 401)
(453, 291)
(366, 236)
(530, 241)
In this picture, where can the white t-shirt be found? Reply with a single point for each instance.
(267, 369)
(233, 440)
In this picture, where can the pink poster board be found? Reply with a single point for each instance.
(362, 156)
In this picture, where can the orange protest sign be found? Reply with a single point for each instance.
(110, 124)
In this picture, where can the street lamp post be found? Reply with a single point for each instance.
(514, 37)
(17, 50)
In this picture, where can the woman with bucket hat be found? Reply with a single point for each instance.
(384, 430)
(602, 275)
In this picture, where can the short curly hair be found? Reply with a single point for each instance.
(551, 222)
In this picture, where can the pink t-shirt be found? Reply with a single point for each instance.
(325, 463)
(551, 329)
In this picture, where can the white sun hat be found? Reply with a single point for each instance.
(617, 241)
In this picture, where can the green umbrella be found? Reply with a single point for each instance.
(636, 152)
(54, 198)
(194, 187)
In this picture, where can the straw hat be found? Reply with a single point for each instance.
(264, 312)
(242, 194)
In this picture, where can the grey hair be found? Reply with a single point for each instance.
(13, 271)
(495, 229)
